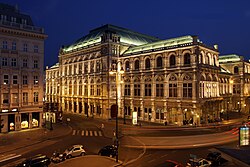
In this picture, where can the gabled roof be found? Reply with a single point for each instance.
(126, 36)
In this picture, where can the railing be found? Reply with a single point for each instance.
(22, 27)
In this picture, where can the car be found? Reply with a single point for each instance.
(58, 157)
(170, 163)
(198, 162)
(75, 150)
(36, 161)
(109, 150)
(214, 157)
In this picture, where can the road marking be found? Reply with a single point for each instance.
(74, 132)
(82, 132)
(90, 133)
(87, 133)
(8, 157)
(95, 133)
(100, 133)
(164, 156)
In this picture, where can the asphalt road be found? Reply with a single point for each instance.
(86, 132)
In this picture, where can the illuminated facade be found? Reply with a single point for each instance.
(21, 82)
(176, 81)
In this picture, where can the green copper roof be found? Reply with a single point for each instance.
(229, 58)
(162, 44)
(126, 36)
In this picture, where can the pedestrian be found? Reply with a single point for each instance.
(102, 126)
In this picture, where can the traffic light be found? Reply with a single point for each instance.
(1, 125)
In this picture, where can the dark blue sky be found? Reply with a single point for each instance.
(222, 22)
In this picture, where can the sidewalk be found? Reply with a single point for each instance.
(20, 139)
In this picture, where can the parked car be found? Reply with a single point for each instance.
(75, 150)
(198, 162)
(109, 150)
(36, 161)
(214, 157)
(58, 157)
(171, 163)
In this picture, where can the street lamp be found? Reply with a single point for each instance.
(227, 109)
(117, 73)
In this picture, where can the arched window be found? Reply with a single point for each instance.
(172, 61)
(214, 61)
(147, 63)
(236, 70)
(127, 66)
(207, 60)
(137, 65)
(187, 59)
(159, 62)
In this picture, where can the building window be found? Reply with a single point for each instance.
(75, 88)
(187, 60)
(236, 89)
(25, 47)
(4, 61)
(187, 90)
(98, 90)
(159, 90)
(80, 68)
(159, 62)
(86, 90)
(35, 80)
(147, 89)
(13, 62)
(14, 98)
(14, 79)
(137, 65)
(5, 79)
(172, 90)
(25, 98)
(127, 90)
(25, 62)
(86, 68)
(172, 61)
(13, 46)
(92, 90)
(5, 45)
(35, 48)
(5, 98)
(70, 88)
(147, 63)
(236, 70)
(25, 80)
(35, 63)
(202, 91)
(137, 90)
(35, 97)
(80, 89)
(127, 66)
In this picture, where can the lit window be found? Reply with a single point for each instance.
(35, 80)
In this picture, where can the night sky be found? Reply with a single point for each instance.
(222, 22)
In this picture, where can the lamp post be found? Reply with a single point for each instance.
(227, 109)
(117, 72)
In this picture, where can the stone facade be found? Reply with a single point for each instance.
(21, 82)
(174, 81)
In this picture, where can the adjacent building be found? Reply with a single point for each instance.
(21, 68)
(174, 81)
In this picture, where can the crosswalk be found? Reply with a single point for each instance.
(87, 133)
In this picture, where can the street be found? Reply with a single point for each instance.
(88, 133)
